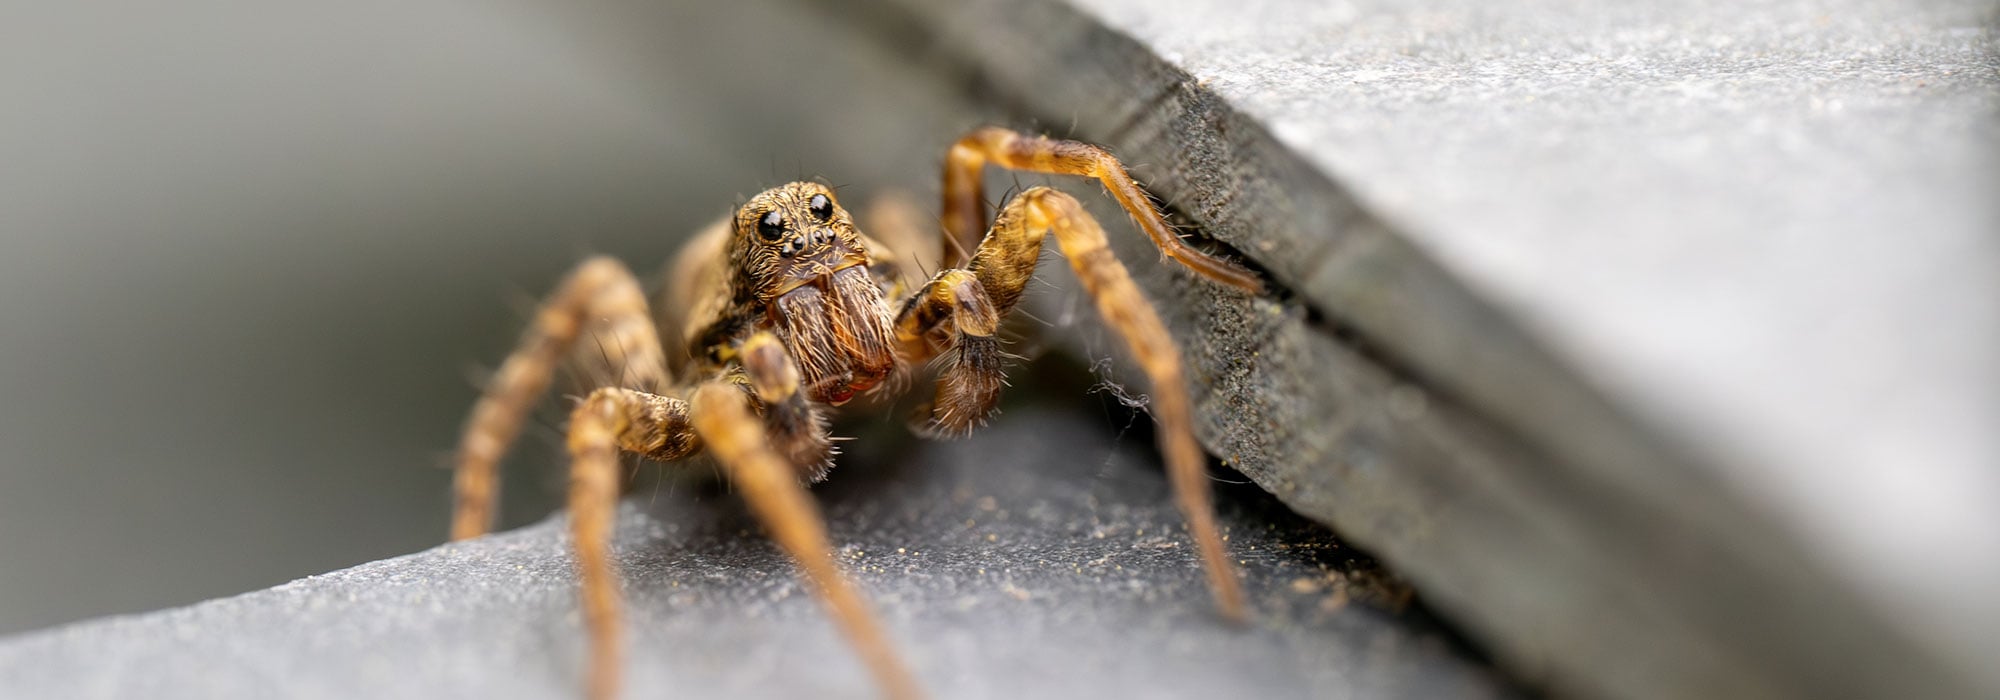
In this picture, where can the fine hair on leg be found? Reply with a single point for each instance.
(607, 421)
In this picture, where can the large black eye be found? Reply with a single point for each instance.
(821, 206)
(772, 226)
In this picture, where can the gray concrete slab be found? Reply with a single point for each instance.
(1604, 321)
(1770, 231)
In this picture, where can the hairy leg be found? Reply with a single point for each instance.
(602, 298)
(1002, 266)
(965, 204)
(723, 419)
(608, 420)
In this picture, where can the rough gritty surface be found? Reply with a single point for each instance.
(1040, 558)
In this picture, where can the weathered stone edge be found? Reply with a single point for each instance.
(1376, 393)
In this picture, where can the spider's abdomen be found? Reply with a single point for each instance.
(838, 332)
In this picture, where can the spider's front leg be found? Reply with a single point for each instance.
(999, 271)
(771, 484)
(608, 420)
(762, 457)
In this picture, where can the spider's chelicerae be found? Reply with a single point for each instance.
(786, 310)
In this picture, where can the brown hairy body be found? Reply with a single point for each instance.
(787, 310)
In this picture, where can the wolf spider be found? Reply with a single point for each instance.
(784, 311)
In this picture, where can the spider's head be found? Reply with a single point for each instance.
(798, 255)
(791, 236)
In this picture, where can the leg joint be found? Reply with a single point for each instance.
(954, 302)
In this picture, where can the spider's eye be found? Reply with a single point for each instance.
(772, 226)
(821, 206)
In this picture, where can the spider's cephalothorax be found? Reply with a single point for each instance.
(785, 310)
(801, 271)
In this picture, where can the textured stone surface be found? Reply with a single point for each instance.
(1040, 558)
(1768, 230)
(1605, 322)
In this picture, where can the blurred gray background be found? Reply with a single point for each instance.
(252, 257)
